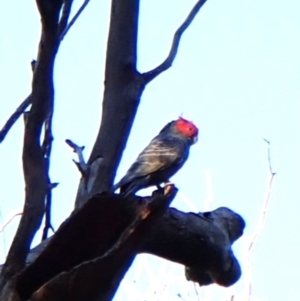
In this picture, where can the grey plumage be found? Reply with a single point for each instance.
(158, 162)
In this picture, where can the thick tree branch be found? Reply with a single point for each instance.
(150, 75)
(123, 89)
(110, 267)
(34, 163)
(202, 242)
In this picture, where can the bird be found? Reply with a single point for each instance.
(161, 159)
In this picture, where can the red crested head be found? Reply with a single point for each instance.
(187, 128)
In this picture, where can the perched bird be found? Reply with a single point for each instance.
(161, 159)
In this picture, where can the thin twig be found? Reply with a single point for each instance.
(64, 16)
(80, 10)
(48, 224)
(261, 222)
(150, 75)
(19, 111)
(47, 147)
(9, 221)
(81, 165)
(14, 117)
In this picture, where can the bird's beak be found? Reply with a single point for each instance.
(195, 139)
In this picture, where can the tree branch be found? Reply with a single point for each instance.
(64, 30)
(111, 266)
(174, 236)
(48, 206)
(81, 165)
(123, 89)
(34, 162)
(150, 75)
(14, 117)
(64, 17)
(46, 149)
(9, 221)
(261, 221)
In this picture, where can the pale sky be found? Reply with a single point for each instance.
(237, 76)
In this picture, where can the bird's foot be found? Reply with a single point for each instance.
(168, 183)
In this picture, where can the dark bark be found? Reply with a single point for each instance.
(107, 254)
(36, 157)
(123, 89)
(34, 165)
(202, 242)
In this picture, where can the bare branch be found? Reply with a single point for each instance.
(107, 151)
(46, 148)
(150, 75)
(82, 166)
(65, 16)
(63, 28)
(48, 224)
(67, 28)
(9, 221)
(35, 165)
(261, 221)
(269, 157)
(14, 117)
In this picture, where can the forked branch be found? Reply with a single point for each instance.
(70, 24)
(64, 16)
(81, 165)
(63, 29)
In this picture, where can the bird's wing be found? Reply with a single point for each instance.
(158, 155)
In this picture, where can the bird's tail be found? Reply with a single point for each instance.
(126, 189)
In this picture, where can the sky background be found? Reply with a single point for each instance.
(236, 75)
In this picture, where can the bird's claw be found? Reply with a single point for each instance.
(168, 183)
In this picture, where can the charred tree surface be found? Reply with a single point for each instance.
(201, 242)
(102, 259)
